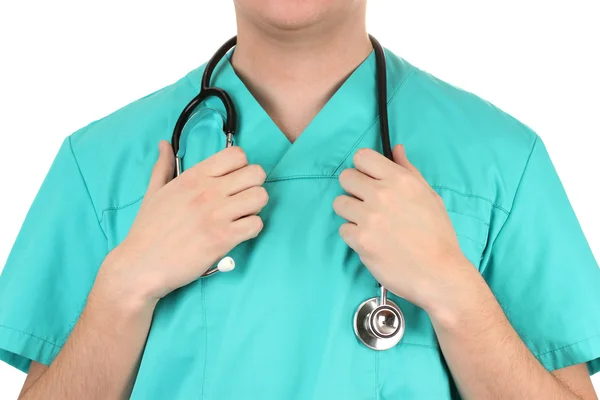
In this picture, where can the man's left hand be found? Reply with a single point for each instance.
(399, 226)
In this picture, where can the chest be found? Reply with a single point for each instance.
(280, 325)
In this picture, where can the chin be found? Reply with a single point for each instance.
(293, 14)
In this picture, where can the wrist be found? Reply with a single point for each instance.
(104, 305)
(452, 296)
(116, 285)
(111, 311)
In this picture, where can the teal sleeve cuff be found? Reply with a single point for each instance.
(583, 351)
(18, 348)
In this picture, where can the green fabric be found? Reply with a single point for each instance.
(280, 325)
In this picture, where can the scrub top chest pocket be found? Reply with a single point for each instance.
(299, 276)
(418, 357)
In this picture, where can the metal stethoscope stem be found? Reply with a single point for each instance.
(227, 263)
(378, 322)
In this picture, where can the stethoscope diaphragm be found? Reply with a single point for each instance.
(379, 322)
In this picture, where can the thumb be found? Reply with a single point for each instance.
(163, 169)
(399, 155)
(400, 158)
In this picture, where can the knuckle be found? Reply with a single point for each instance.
(262, 195)
(346, 201)
(259, 224)
(344, 232)
(342, 203)
(345, 174)
(404, 178)
(256, 225)
(337, 204)
(238, 154)
(363, 241)
(360, 153)
(259, 172)
(409, 182)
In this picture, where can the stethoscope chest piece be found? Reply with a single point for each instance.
(379, 326)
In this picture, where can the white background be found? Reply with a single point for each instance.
(67, 63)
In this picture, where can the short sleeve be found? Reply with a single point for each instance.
(543, 273)
(51, 267)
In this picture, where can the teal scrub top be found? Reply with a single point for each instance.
(280, 325)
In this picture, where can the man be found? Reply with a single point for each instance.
(474, 237)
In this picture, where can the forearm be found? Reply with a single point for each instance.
(487, 358)
(101, 356)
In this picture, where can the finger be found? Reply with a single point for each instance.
(374, 164)
(356, 183)
(246, 228)
(242, 179)
(349, 208)
(163, 169)
(348, 233)
(221, 163)
(245, 203)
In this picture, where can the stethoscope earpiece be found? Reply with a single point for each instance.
(226, 264)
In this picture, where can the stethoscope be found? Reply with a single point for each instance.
(378, 322)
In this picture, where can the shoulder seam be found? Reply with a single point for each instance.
(516, 191)
(535, 140)
(189, 80)
(408, 75)
(85, 184)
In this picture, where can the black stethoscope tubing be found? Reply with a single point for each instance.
(378, 322)
(229, 126)
(206, 91)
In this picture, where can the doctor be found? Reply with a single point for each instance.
(468, 227)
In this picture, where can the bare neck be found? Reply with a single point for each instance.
(293, 73)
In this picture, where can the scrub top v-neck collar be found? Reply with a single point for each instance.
(329, 139)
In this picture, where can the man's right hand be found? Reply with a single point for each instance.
(185, 225)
